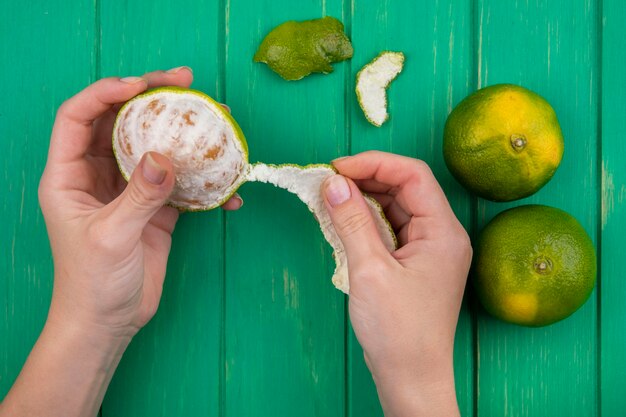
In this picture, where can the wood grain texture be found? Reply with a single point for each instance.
(284, 319)
(172, 367)
(436, 40)
(47, 53)
(250, 324)
(549, 47)
(613, 221)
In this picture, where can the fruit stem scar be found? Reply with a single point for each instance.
(543, 265)
(518, 142)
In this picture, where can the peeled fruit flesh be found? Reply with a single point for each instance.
(203, 141)
(210, 156)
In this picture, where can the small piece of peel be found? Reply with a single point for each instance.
(372, 82)
(294, 50)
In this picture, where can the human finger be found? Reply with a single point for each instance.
(369, 186)
(103, 126)
(415, 229)
(147, 191)
(233, 203)
(71, 134)
(416, 188)
(353, 221)
(179, 77)
(165, 219)
(393, 211)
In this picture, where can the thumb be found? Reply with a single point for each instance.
(353, 220)
(147, 191)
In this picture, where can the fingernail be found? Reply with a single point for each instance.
(239, 200)
(131, 80)
(339, 159)
(175, 70)
(152, 171)
(337, 190)
(226, 106)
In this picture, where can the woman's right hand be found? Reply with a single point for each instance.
(404, 306)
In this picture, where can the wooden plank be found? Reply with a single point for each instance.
(436, 40)
(284, 319)
(172, 367)
(47, 55)
(613, 286)
(549, 47)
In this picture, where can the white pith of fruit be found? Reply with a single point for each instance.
(306, 182)
(194, 133)
(372, 82)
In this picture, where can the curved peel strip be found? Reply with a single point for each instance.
(372, 82)
(305, 182)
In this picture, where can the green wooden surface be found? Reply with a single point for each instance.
(284, 325)
(521, 370)
(249, 324)
(611, 112)
(40, 71)
(135, 38)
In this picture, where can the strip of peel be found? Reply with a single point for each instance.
(305, 182)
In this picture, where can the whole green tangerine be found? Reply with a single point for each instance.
(534, 265)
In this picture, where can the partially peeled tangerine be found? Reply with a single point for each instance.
(210, 157)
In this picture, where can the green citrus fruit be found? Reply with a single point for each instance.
(503, 142)
(534, 265)
(203, 141)
(296, 49)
